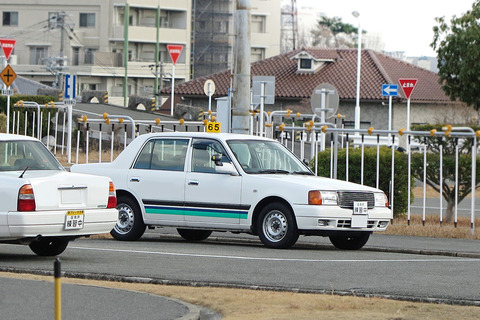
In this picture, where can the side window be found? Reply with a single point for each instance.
(203, 151)
(163, 154)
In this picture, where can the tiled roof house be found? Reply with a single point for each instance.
(298, 73)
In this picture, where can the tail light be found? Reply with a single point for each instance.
(112, 198)
(26, 198)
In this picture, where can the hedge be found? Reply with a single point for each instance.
(370, 171)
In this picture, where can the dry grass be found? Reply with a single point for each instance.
(243, 304)
(431, 227)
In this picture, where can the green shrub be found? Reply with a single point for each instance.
(370, 171)
(41, 100)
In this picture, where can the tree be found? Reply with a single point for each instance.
(328, 28)
(458, 50)
(448, 144)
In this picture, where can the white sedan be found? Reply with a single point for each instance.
(45, 206)
(201, 182)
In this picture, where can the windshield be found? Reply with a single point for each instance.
(22, 154)
(264, 156)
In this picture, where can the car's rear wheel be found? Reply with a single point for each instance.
(130, 225)
(350, 242)
(194, 234)
(276, 226)
(48, 247)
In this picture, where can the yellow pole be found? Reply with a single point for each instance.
(57, 273)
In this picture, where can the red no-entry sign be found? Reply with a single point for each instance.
(174, 50)
(407, 86)
(7, 46)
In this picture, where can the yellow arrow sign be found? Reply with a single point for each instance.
(8, 75)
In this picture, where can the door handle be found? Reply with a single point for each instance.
(135, 179)
(193, 183)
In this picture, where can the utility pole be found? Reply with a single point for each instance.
(56, 64)
(241, 75)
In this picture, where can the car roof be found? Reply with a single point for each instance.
(12, 137)
(220, 136)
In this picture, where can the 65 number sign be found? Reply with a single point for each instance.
(213, 127)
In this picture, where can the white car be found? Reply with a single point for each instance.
(45, 206)
(201, 182)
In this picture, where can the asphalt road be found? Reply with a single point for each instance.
(313, 265)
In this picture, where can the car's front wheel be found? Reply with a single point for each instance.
(350, 242)
(194, 234)
(276, 226)
(130, 225)
(48, 247)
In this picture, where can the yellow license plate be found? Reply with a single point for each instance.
(74, 220)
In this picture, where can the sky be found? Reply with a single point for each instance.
(404, 25)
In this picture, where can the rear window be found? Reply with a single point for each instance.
(22, 154)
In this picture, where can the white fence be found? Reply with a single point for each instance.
(110, 131)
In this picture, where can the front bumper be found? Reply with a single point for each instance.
(334, 218)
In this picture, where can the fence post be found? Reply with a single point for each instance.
(57, 274)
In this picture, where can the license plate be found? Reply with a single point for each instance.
(360, 207)
(74, 220)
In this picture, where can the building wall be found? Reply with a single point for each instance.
(94, 52)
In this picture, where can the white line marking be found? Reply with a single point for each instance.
(446, 259)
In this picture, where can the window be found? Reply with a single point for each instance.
(10, 18)
(306, 64)
(163, 154)
(87, 20)
(75, 56)
(257, 54)
(258, 23)
(89, 56)
(38, 55)
(203, 151)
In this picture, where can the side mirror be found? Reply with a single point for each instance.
(217, 158)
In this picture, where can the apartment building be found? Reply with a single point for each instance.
(88, 39)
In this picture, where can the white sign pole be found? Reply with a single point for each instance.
(69, 134)
(173, 86)
(390, 118)
(262, 107)
(8, 112)
(209, 97)
(8, 97)
(408, 114)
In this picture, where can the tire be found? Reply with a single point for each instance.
(350, 242)
(194, 234)
(48, 247)
(130, 225)
(276, 226)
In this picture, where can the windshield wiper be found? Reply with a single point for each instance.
(306, 173)
(273, 171)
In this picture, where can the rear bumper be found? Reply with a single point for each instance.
(52, 223)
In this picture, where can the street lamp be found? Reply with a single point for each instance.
(356, 14)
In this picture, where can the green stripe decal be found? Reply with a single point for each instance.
(197, 212)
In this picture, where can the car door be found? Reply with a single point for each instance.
(158, 179)
(211, 199)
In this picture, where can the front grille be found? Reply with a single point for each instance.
(346, 199)
(348, 224)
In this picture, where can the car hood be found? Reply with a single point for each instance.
(57, 190)
(313, 182)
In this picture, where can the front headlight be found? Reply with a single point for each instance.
(381, 199)
(316, 197)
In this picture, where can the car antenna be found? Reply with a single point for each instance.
(21, 176)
